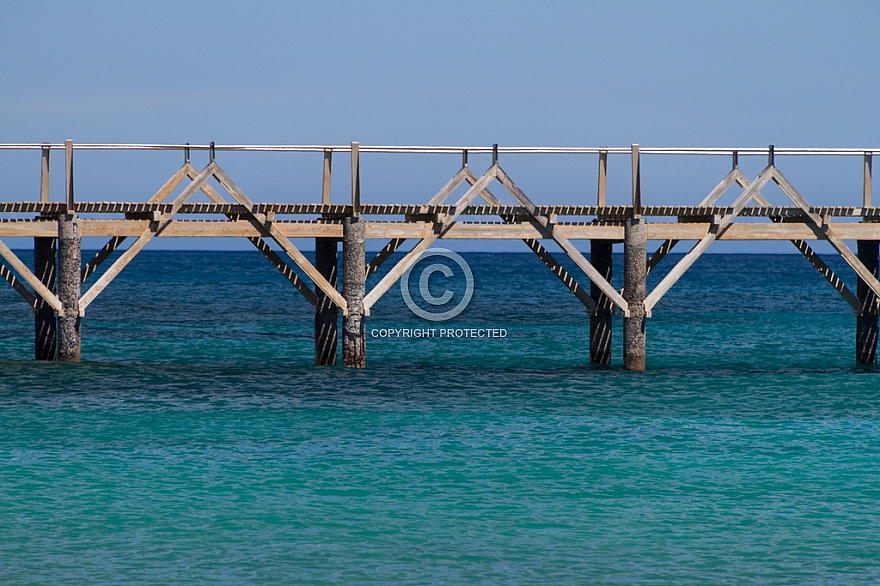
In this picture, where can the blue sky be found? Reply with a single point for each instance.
(515, 73)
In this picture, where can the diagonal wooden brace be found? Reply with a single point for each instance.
(440, 228)
(700, 247)
(31, 279)
(145, 238)
(810, 254)
(543, 254)
(550, 231)
(261, 245)
(713, 196)
(268, 230)
(826, 232)
(116, 241)
(438, 199)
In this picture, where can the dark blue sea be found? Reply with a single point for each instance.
(197, 443)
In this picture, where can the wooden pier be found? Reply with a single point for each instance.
(59, 288)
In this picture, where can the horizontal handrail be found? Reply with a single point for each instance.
(402, 149)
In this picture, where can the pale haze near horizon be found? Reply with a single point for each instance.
(743, 74)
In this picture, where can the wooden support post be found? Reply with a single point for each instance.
(600, 321)
(866, 324)
(45, 321)
(69, 287)
(326, 320)
(601, 196)
(634, 277)
(866, 185)
(353, 284)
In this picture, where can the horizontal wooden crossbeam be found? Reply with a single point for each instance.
(738, 231)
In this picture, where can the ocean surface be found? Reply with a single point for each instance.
(196, 443)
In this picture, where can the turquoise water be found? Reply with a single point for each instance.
(196, 443)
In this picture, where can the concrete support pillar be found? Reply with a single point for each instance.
(45, 322)
(866, 323)
(326, 320)
(635, 251)
(600, 324)
(69, 287)
(353, 285)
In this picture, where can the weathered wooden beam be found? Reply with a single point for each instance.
(354, 337)
(178, 228)
(355, 179)
(866, 184)
(634, 287)
(602, 187)
(822, 230)
(607, 213)
(659, 254)
(814, 259)
(636, 182)
(567, 279)
(390, 248)
(284, 269)
(100, 256)
(69, 287)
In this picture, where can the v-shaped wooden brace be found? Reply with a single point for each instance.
(737, 176)
(199, 182)
(542, 223)
(751, 193)
(466, 175)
